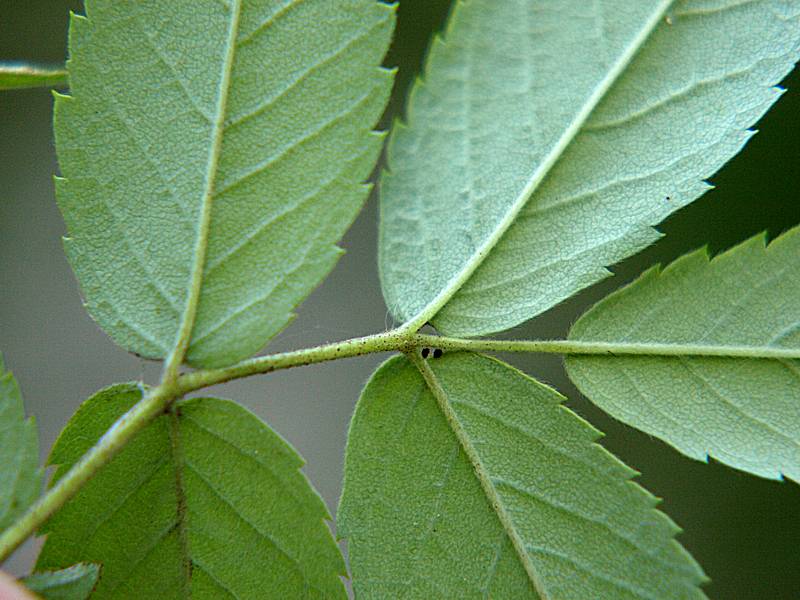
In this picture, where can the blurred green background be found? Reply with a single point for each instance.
(743, 530)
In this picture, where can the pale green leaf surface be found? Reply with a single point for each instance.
(15, 76)
(20, 475)
(744, 412)
(493, 120)
(544, 512)
(219, 142)
(209, 504)
(73, 583)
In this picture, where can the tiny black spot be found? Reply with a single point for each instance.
(668, 198)
(437, 353)
(425, 352)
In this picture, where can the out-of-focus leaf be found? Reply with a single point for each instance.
(20, 475)
(73, 583)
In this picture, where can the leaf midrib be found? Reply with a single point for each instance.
(186, 329)
(539, 174)
(176, 451)
(483, 476)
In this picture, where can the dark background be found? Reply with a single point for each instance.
(745, 531)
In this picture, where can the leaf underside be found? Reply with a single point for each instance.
(490, 132)
(20, 475)
(207, 502)
(14, 76)
(253, 117)
(73, 583)
(744, 412)
(558, 516)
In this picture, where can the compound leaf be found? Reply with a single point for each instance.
(476, 482)
(548, 138)
(73, 583)
(14, 76)
(207, 502)
(213, 152)
(20, 475)
(743, 411)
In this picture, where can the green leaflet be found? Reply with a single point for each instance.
(420, 523)
(523, 173)
(15, 76)
(743, 412)
(20, 475)
(213, 151)
(73, 583)
(207, 502)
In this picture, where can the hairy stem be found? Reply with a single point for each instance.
(382, 342)
(577, 347)
(156, 401)
(396, 340)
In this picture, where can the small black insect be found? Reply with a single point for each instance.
(425, 352)
(437, 353)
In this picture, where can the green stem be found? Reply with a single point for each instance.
(577, 347)
(382, 342)
(396, 340)
(16, 76)
(160, 398)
